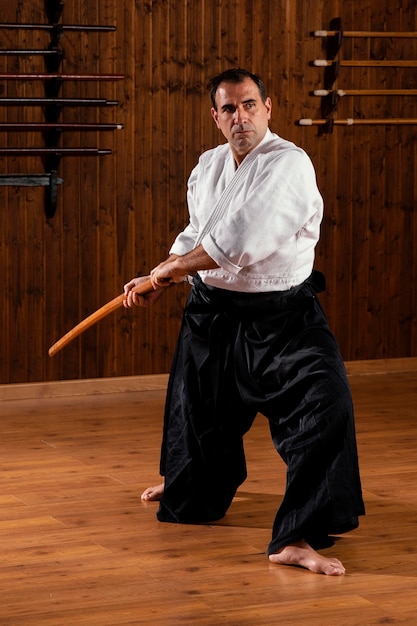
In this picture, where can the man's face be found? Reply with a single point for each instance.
(241, 116)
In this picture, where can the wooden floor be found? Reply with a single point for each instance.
(79, 548)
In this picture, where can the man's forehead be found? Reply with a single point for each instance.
(246, 90)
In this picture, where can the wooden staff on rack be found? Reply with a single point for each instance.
(31, 53)
(61, 76)
(82, 126)
(143, 288)
(53, 151)
(61, 102)
(72, 27)
(365, 63)
(355, 122)
(364, 92)
(365, 33)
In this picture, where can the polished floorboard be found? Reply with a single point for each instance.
(78, 547)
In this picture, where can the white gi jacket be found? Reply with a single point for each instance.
(259, 222)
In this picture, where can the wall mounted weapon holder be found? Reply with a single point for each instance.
(52, 105)
(330, 97)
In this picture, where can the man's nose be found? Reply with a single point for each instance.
(239, 115)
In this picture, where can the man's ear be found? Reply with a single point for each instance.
(268, 105)
(215, 116)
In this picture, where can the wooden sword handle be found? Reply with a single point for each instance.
(143, 288)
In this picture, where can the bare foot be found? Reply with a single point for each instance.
(153, 494)
(303, 555)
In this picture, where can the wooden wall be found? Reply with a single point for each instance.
(117, 214)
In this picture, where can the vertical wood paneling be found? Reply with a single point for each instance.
(366, 157)
(131, 26)
(382, 214)
(160, 51)
(4, 287)
(412, 271)
(117, 215)
(406, 244)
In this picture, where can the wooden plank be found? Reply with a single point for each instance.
(86, 386)
(126, 384)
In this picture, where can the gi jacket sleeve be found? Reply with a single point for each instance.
(185, 241)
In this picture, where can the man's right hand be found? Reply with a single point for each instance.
(134, 299)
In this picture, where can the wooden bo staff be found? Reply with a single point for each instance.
(351, 122)
(143, 288)
(54, 151)
(62, 102)
(75, 27)
(31, 52)
(365, 92)
(61, 76)
(365, 63)
(82, 126)
(365, 33)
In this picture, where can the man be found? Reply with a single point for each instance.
(254, 338)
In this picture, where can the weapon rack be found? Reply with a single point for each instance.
(330, 96)
(52, 104)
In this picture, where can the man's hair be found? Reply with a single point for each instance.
(237, 75)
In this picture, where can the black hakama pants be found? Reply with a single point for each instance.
(242, 354)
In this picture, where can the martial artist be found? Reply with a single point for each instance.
(254, 338)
